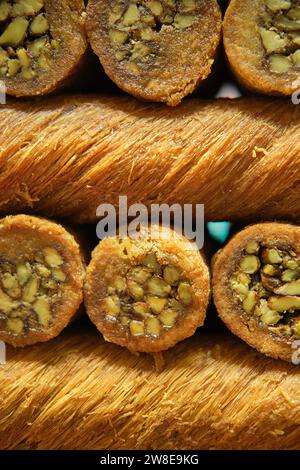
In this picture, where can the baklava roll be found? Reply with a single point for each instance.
(66, 156)
(256, 287)
(42, 44)
(158, 50)
(41, 279)
(262, 43)
(147, 294)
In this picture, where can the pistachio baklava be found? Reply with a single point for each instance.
(262, 43)
(158, 50)
(42, 44)
(67, 155)
(256, 287)
(41, 279)
(147, 294)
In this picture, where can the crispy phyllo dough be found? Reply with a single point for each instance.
(41, 279)
(158, 50)
(262, 43)
(256, 287)
(147, 294)
(67, 155)
(42, 44)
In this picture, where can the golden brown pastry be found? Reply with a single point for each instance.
(215, 394)
(256, 287)
(41, 279)
(147, 294)
(262, 43)
(65, 156)
(158, 50)
(42, 44)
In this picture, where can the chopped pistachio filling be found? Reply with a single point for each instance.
(266, 284)
(150, 299)
(29, 290)
(134, 25)
(26, 43)
(280, 34)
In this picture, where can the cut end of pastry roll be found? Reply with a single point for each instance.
(262, 43)
(42, 42)
(158, 50)
(41, 279)
(147, 294)
(256, 287)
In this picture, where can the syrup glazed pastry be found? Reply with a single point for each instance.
(147, 294)
(256, 287)
(42, 43)
(240, 158)
(41, 279)
(262, 43)
(158, 50)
